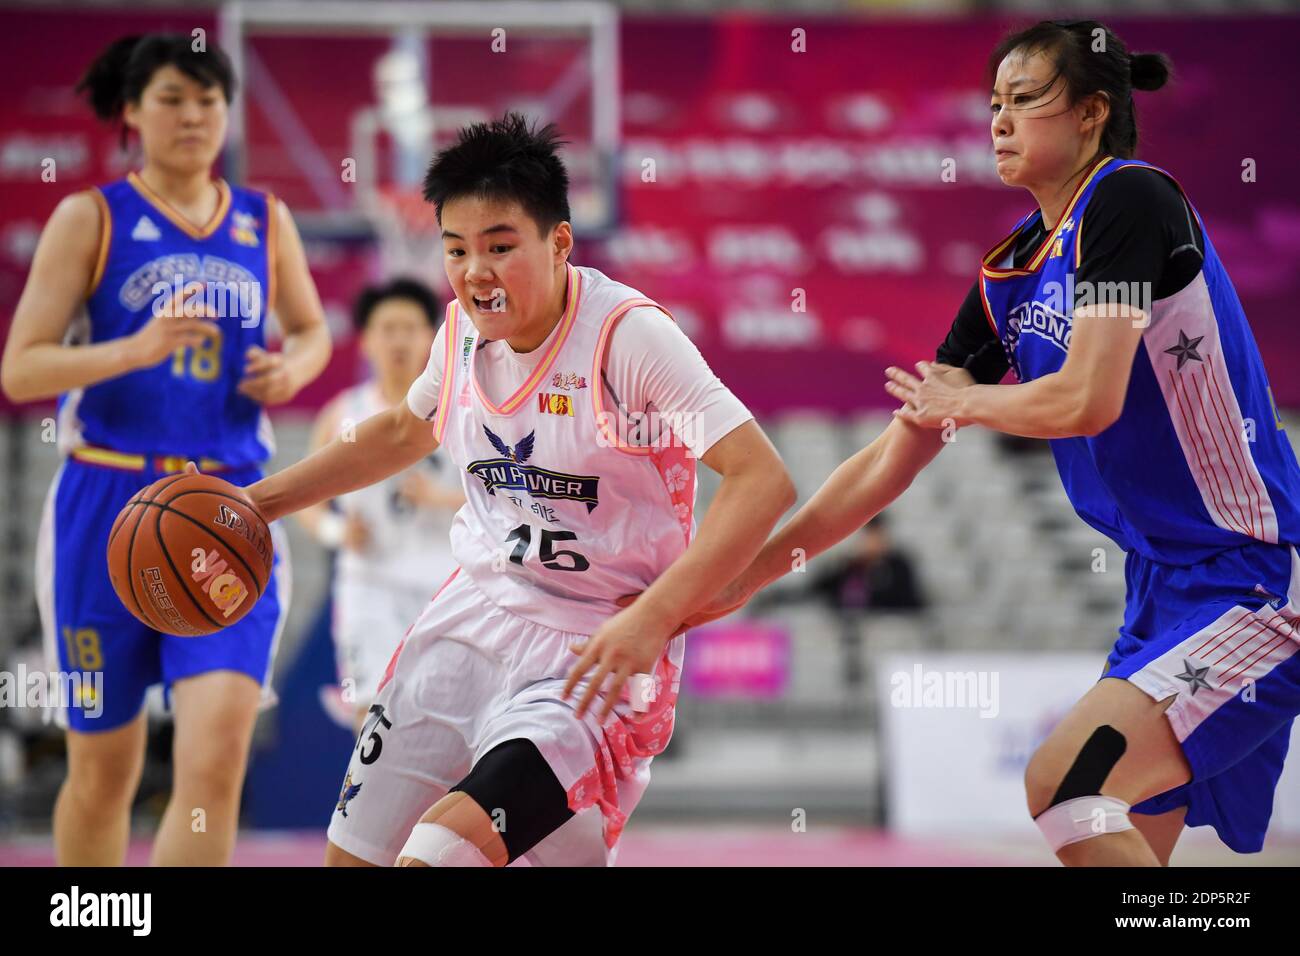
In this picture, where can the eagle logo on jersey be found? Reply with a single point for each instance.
(349, 791)
(511, 472)
(522, 451)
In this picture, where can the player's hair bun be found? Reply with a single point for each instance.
(103, 81)
(1149, 71)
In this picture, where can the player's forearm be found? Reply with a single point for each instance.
(381, 447)
(1054, 406)
(855, 492)
(49, 369)
(740, 517)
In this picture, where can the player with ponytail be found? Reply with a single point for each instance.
(145, 313)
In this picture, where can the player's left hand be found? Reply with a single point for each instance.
(628, 643)
(267, 377)
(931, 401)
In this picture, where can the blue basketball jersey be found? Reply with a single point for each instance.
(187, 404)
(1198, 461)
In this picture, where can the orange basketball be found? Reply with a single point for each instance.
(189, 555)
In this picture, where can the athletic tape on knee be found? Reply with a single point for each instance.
(436, 845)
(1082, 819)
(1097, 758)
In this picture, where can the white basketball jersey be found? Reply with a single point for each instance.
(561, 517)
(408, 546)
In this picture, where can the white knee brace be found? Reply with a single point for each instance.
(1082, 819)
(435, 845)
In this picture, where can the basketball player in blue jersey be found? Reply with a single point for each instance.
(145, 312)
(1164, 431)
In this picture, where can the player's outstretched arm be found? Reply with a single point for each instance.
(1084, 398)
(382, 445)
(755, 491)
(856, 492)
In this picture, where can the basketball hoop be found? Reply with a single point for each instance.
(407, 228)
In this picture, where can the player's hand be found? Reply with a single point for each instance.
(267, 377)
(171, 329)
(630, 642)
(933, 400)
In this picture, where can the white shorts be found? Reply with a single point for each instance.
(468, 677)
(368, 623)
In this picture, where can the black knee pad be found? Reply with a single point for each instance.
(1097, 758)
(516, 788)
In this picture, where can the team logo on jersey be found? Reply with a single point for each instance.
(1067, 225)
(1037, 318)
(1058, 248)
(178, 270)
(567, 381)
(512, 473)
(349, 791)
(145, 230)
(244, 228)
(549, 404)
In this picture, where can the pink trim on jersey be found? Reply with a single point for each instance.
(525, 391)
(448, 373)
(597, 392)
(392, 661)
(625, 740)
(676, 466)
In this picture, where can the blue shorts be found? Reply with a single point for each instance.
(88, 631)
(1221, 637)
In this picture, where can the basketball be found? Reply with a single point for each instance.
(189, 555)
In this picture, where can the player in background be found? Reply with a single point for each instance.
(1164, 431)
(392, 537)
(574, 409)
(144, 312)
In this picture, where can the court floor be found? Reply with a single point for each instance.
(711, 845)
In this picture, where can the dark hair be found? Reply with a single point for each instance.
(121, 72)
(505, 159)
(1112, 70)
(399, 288)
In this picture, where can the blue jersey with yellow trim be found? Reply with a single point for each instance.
(1198, 461)
(187, 404)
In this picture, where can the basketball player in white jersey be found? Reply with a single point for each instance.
(574, 410)
(392, 537)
